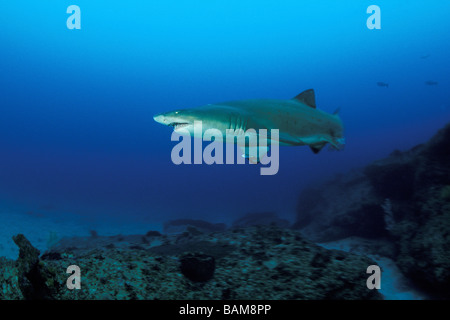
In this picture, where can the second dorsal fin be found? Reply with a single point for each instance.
(307, 97)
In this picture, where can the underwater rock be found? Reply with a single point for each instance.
(9, 280)
(260, 218)
(402, 200)
(263, 262)
(32, 276)
(182, 225)
(343, 207)
(197, 266)
(152, 233)
(93, 233)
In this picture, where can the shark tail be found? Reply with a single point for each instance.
(338, 143)
(335, 144)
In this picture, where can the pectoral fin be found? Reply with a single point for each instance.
(254, 153)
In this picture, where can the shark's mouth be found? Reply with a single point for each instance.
(178, 125)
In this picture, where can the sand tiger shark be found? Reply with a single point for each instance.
(298, 120)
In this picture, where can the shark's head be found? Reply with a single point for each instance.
(176, 119)
(183, 120)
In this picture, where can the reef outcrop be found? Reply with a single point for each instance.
(402, 200)
(263, 262)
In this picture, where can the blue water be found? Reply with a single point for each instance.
(76, 128)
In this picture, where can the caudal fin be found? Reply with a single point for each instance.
(336, 144)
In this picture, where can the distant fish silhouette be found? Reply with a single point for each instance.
(425, 56)
(431, 83)
(383, 84)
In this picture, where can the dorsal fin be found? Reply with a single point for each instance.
(307, 97)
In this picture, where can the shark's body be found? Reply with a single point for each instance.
(298, 120)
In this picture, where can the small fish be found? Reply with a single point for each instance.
(425, 56)
(383, 84)
(431, 83)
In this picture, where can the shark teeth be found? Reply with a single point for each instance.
(178, 125)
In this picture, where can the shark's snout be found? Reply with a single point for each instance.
(171, 119)
(160, 118)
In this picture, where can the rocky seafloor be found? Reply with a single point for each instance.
(401, 204)
(254, 262)
(395, 212)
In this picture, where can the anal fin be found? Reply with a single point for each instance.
(317, 147)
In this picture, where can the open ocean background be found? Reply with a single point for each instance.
(78, 143)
